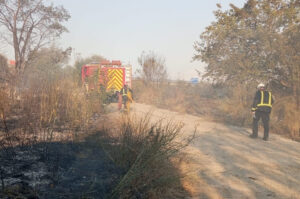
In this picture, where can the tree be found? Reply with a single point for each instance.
(259, 42)
(48, 64)
(30, 25)
(153, 69)
(92, 59)
(82, 61)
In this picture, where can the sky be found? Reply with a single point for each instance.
(123, 29)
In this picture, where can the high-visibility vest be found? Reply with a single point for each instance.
(124, 91)
(263, 101)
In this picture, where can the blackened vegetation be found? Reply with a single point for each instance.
(134, 160)
(67, 170)
(48, 150)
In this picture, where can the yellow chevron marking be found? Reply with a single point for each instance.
(114, 86)
(120, 76)
(119, 85)
(115, 79)
(115, 82)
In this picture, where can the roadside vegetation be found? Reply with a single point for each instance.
(147, 154)
(220, 102)
(241, 48)
(49, 144)
(256, 43)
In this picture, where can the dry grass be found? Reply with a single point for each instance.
(146, 153)
(41, 113)
(235, 109)
(224, 104)
(286, 118)
(51, 111)
(44, 112)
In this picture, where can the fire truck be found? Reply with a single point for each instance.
(106, 76)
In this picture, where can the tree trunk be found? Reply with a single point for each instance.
(296, 94)
(296, 90)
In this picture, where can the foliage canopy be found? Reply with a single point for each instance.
(30, 25)
(258, 42)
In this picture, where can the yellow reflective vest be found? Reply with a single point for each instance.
(263, 101)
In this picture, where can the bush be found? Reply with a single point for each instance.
(286, 118)
(235, 109)
(44, 112)
(146, 153)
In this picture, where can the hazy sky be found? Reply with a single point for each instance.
(122, 29)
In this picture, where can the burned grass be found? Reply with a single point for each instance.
(134, 160)
(65, 170)
(49, 150)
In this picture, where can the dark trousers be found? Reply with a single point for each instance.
(125, 98)
(265, 116)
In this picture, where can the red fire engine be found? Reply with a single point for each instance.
(106, 75)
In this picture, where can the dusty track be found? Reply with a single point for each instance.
(225, 163)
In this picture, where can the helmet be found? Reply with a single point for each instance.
(260, 85)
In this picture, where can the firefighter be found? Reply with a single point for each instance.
(127, 98)
(261, 108)
(119, 100)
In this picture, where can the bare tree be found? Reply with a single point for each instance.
(30, 25)
(153, 69)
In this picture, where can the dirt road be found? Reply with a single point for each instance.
(225, 163)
